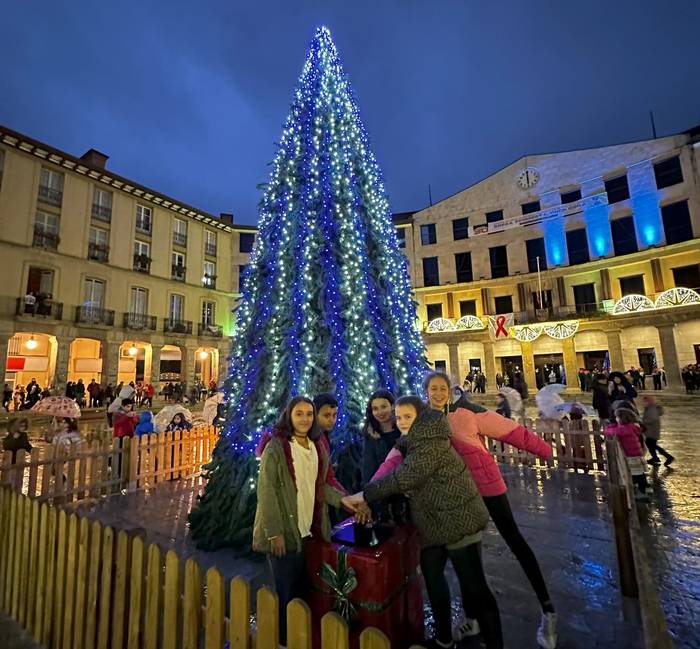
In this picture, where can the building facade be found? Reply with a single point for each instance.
(106, 279)
(590, 251)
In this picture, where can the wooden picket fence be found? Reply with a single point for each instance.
(107, 467)
(575, 445)
(74, 584)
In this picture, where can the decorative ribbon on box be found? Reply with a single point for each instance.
(342, 582)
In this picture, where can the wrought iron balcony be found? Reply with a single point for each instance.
(142, 264)
(98, 252)
(139, 321)
(94, 315)
(178, 273)
(50, 195)
(209, 281)
(102, 212)
(180, 239)
(210, 249)
(209, 330)
(177, 326)
(45, 239)
(44, 307)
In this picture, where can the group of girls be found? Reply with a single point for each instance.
(434, 455)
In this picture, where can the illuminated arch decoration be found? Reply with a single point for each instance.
(561, 330)
(678, 296)
(469, 322)
(440, 325)
(527, 333)
(632, 304)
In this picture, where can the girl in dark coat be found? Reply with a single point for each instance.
(601, 397)
(620, 388)
(380, 432)
(17, 438)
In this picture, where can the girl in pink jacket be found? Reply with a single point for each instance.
(627, 429)
(470, 423)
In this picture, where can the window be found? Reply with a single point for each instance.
(529, 208)
(46, 231)
(208, 313)
(180, 232)
(176, 308)
(94, 293)
(177, 271)
(623, 236)
(617, 189)
(584, 298)
(499, 261)
(142, 249)
(467, 307)
(460, 229)
(143, 219)
(463, 264)
(492, 217)
(427, 234)
(571, 196)
(241, 274)
(401, 237)
(434, 311)
(504, 304)
(535, 251)
(677, 226)
(577, 246)
(138, 305)
(246, 242)
(98, 244)
(687, 276)
(51, 187)
(431, 271)
(210, 243)
(441, 366)
(668, 172)
(632, 285)
(102, 205)
(209, 274)
(546, 299)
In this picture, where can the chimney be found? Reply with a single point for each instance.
(93, 158)
(226, 218)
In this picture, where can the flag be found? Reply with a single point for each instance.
(499, 325)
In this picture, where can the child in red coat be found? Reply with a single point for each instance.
(629, 432)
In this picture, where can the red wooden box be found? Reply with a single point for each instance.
(389, 592)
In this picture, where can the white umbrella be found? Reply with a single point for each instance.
(210, 407)
(568, 405)
(549, 401)
(165, 416)
(515, 401)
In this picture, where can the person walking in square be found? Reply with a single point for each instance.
(651, 425)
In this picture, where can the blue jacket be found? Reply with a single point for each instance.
(145, 425)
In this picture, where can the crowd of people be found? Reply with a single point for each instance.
(23, 397)
(690, 374)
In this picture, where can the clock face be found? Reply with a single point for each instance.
(528, 177)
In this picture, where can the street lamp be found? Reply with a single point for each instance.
(31, 343)
(133, 350)
(203, 355)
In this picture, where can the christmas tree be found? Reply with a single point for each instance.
(326, 304)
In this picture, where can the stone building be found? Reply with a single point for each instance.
(583, 248)
(107, 279)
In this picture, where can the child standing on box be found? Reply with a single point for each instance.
(629, 432)
(293, 497)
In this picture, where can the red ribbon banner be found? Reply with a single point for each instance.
(500, 321)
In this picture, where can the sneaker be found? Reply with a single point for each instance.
(466, 627)
(654, 462)
(669, 460)
(547, 633)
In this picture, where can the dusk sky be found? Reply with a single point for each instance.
(188, 98)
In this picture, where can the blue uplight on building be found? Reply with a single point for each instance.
(554, 241)
(647, 218)
(598, 230)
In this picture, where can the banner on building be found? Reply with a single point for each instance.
(499, 325)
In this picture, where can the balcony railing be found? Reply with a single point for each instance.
(178, 273)
(98, 252)
(142, 264)
(102, 212)
(94, 315)
(209, 330)
(139, 321)
(180, 239)
(209, 281)
(45, 239)
(177, 326)
(210, 249)
(50, 195)
(44, 307)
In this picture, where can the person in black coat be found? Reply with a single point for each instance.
(380, 432)
(620, 388)
(601, 397)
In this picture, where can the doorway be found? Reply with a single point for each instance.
(510, 365)
(595, 361)
(647, 359)
(549, 368)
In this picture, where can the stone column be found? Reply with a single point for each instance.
(615, 350)
(668, 351)
(570, 366)
(455, 371)
(4, 341)
(60, 376)
(529, 367)
(223, 364)
(110, 362)
(155, 365)
(490, 367)
(188, 359)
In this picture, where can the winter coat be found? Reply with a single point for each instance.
(375, 450)
(651, 420)
(503, 409)
(629, 436)
(14, 444)
(276, 512)
(445, 503)
(93, 389)
(601, 400)
(172, 427)
(124, 424)
(127, 392)
(145, 425)
(627, 393)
